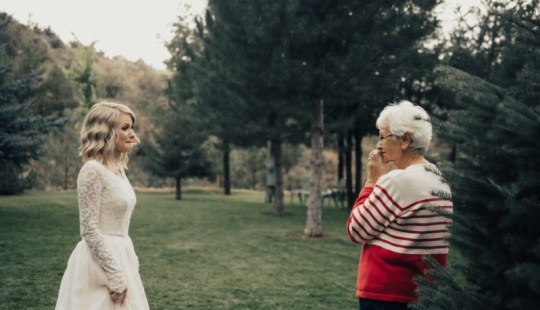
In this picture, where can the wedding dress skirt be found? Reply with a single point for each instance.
(84, 284)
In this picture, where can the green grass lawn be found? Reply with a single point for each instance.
(207, 251)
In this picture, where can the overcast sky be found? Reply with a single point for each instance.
(135, 29)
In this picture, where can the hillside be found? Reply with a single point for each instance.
(136, 84)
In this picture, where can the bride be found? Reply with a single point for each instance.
(103, 270)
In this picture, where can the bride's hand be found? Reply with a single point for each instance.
(117, 297)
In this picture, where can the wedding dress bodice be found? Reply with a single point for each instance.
(106, 202)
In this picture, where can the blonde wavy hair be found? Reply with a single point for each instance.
(98, 136)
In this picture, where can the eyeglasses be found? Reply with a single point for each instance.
(384, 137)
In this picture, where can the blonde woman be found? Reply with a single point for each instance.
(103, 270)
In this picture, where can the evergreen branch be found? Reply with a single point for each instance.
(515, 20)
(365, 72)
(472, 85)
(16, 89)
(4, 25)
(438, 290)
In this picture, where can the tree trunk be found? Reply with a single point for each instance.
(278, 193)
(226, 168)
(348, 169)
(357, 162)
(271, 164)
(66, 170)
(341, 149)
(453, 154)
(178, 188)
(219, 182)
(314, 210)
(254, 178)
(270, 174)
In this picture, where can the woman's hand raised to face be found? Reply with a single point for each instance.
(375, 169)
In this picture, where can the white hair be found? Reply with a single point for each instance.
(404, 117)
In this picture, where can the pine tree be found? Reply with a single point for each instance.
(56, 93)
(82, 73)
(223, 112)
(60, 163)
(179, 153)
(292, 61)
(386, 61)
(21, 131)
(495, 185)
(351, 55)
(243, 78)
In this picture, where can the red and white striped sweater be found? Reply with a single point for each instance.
(396, 222)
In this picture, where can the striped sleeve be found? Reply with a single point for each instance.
(373, 211)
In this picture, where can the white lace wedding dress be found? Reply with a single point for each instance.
(105, 258)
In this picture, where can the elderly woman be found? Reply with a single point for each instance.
(395, 216)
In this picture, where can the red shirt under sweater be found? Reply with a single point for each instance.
(396, 223)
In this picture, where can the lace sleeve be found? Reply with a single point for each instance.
(89, 187)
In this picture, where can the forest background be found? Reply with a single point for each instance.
(286, 94)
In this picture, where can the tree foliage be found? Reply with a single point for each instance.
(283, 58)
(59, 166)
(21, 130)
(180, 153)
(82, 73)
(495, 184)
(57, 92)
